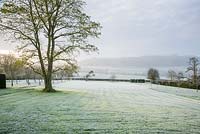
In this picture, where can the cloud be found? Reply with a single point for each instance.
(148, 26)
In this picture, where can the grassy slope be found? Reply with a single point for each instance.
(112, 111)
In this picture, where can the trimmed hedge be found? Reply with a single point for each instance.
(182, 84)
(137, 80)
(2, 81)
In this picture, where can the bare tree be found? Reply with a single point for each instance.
(70, 70)
(50, 31)
(1, 68)
(193, 67)
(180, 76)
(172, 75)
(90, 74)
(28, 74)
(153, 74)
(11, 66)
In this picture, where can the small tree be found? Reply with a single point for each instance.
(28, 73)
(11, 66)
(153, 74)
(193, 67)
(1, 70)
(172, 75)
(180, 76)
(90, 74)
(70, 70)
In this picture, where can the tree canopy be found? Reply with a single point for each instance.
(50, 32)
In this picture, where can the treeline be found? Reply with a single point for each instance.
(17, 69)
(190, 78)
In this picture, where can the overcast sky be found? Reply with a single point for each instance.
(145, 27)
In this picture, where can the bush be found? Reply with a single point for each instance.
(2, 81)
(137, 80)
(182, 84)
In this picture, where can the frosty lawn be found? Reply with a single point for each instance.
(98, 107)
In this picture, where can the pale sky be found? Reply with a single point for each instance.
(144, 27)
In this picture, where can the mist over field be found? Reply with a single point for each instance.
(134, 67)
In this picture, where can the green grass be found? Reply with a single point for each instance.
(103, 111)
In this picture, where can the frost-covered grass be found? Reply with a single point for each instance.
(97, 107)
(189, 93)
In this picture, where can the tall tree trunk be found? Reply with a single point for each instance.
(48, 80)
(48, 85)
(46, 75)
(50, 54)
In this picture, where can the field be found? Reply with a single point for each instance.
(100, 107)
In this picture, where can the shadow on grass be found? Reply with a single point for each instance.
(36, 91)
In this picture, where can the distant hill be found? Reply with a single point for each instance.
(144, 61)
